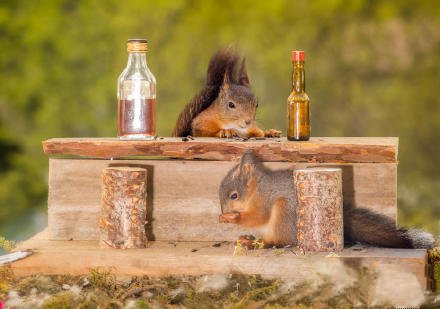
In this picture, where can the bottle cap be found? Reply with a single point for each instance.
(298, 55)
(137, 46)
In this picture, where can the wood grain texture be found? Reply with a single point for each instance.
(320, 222)
(197, 258)
(124, 206)
(317, 149)
(183, 196)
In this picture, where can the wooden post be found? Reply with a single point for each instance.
(319, 209)
(123, 212)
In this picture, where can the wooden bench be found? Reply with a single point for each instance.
(183, 206)
(184, 178)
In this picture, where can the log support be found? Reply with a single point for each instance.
(319, 209)
(123, 213)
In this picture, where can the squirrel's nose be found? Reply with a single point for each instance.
(248, 122)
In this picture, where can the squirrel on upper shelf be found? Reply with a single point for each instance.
(252, 195)
(226, 106)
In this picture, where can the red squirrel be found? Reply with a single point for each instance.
(226, 106)
(252, 195)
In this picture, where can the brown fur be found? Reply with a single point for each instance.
(266, 199)
(209, 113)
(251, 210)
(269, 211)
(372, 228)
(278, 231)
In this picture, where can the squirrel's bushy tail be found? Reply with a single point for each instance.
(225, 61)
(365, 226)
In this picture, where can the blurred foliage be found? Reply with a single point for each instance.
(373, 69)
(6, 245)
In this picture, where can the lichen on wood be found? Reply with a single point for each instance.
(434, 275)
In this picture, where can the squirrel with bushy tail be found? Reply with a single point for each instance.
(254, 196)
(226, 106)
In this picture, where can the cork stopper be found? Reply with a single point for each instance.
(137, 46)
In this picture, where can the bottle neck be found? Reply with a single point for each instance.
(137, 60)
(298, 77)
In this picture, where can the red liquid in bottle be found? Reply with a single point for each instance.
(137, 118)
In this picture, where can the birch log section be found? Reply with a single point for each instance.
(319, 210)
(123, 212)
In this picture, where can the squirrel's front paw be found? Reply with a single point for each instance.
(272, 133)
(229, 217)
(228, 133)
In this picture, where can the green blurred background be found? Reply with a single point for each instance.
(373, 69)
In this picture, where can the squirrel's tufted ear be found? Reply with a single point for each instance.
(247, 163)
(243, 77)
(226, 81)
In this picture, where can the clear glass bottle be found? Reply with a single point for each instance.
(137, 95)
(298, 103)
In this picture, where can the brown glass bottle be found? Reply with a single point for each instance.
(298, 103)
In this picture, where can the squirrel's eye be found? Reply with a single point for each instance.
(233, 196)
(231, 104)
(256, 106)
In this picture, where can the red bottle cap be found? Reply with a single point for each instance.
(298, 55)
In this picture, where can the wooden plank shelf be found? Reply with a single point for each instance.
(401, 266)
(318, 149)
(183, 208)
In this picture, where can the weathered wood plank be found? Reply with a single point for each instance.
(318, 149)
(403, 266)
(183, 196)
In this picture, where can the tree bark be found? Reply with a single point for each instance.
(319, 209)
(317, 149)
(123, 212)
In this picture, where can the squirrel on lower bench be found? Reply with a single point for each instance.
(252, 195)
(226, 106)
